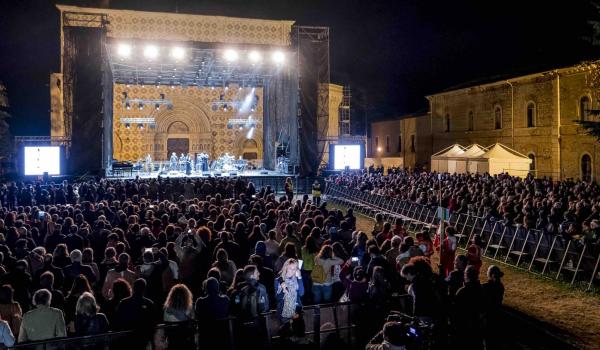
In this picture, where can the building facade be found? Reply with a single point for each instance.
(535, 114)
(402, 142)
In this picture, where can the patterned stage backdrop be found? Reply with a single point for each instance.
(182, 27)
(192, 117)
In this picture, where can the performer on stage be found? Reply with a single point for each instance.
(182, 163)
(173, 162)
(189, 164)
(148, 163)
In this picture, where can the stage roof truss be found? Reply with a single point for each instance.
(201, 66)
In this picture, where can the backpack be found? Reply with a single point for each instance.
(249, 303)
(318, 274)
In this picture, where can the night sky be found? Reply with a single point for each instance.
(392, 53)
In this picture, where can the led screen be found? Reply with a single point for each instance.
(39, 160)
(346, 156)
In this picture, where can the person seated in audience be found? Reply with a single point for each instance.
(43, 322)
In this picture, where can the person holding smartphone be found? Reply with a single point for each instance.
(289, 290)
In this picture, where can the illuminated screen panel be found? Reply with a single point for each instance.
(39, 160)
(346, 156)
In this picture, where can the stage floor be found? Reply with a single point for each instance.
(178, 174)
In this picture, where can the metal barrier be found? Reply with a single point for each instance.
(542, 253)
(230, 333)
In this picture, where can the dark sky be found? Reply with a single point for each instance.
(393, 52)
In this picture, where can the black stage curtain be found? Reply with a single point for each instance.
(313, 65)
(280, 115)
(87, 84)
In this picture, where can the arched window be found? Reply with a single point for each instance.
(586, 168)
(471, 121)
(531, 115)
(584, 108)
(498, 118)
(447, 123)
(532, 166)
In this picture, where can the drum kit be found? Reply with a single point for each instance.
(228, 163)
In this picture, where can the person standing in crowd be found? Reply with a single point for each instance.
(316, 193)
(469, 310)
(7, 339)
(493, 295)
(447, 249)
(474, 252)
(88, 321)
(289, 290)
(289, 189)
(321, 275)
(10, 310)
(43, 322)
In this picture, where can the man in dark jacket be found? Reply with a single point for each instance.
(469, 309)
(137, 313)
(77, 268)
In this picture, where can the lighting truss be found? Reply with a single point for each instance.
(203, 66)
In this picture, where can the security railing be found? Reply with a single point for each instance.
(539, 252)
(231, 333)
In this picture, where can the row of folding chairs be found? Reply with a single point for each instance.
(538, 252)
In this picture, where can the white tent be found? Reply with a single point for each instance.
(446, 159)
(499, 158)
(471, 154)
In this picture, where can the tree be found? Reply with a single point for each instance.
(6, 141)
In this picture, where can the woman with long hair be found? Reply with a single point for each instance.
(121, 289)
(88, 321)
(288, 290)
(80, 286)
(225, 266)
(178, 307)
(10, 310)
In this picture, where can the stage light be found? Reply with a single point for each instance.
(157, 106)
(178, 53)
(250, 133)
(141, 106)
(151, 52)
(230, 55)
(127, 106)
(140, 126)
(241, 127)
(127, 126)
(378, 149)
(124, 50)
(278, 57)
(212, 87)
(254, 56)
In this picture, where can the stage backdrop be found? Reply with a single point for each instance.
(192, 118)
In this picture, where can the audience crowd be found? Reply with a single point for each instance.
(97, 256)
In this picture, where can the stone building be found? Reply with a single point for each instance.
(535, 114)
(403, 142)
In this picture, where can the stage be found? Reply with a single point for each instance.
(133, 174)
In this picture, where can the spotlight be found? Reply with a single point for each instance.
(212, 87)
(127, 126)
(230, 55)
(278, 57)
(378, 149)
(241, 127)
(254, 56)
(127, 106)
(227, 86)
(173, 87)
(157, 106)
(140, 126)
(141, 106)
(151, 52)
(124, 50)
(225, 108)
(178, 53)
